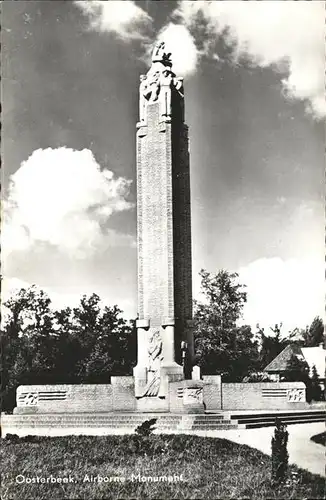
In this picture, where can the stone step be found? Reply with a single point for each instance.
(55, 417)
(311, 418)
(214, 422)
(87, 422)
(256, 425)
(93, 423)
(81, 423)
(85, 416)
(208, 418)
(69, 426)
(213, 427)
(66, 425)
(256, 420)
(108, 421)
(280, 415)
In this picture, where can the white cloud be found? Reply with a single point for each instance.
(61, 197)
(125, 18)
(291, 292)
(64, 297)
(10, 286)
(283, 34)
(181, 44)
(279, 33)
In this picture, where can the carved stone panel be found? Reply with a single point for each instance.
(28, 399)
(193, 395)
(296, 395)
(34, 398)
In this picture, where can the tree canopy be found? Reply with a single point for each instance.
(221, 345)
(314, 335)
(271, 345)
(40, 345)
(91, 342)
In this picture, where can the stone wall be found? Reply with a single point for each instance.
(123, 393)
(64, 398)
(212, 391)
(184, 396)
(264, 396)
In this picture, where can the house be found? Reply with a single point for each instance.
(314, 356)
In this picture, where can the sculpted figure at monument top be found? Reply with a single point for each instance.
(158, 83)
(159, 54)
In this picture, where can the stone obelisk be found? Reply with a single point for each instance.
(163, 233)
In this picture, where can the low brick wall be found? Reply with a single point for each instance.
(119, 396)
(65, 398)
(265, 395)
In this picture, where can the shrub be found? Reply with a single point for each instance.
(257, 377)
(315, 389)
(319, 438)
(279, 452)
(12, 438)
(146, 428)
(143, 442)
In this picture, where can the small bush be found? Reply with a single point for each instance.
(146, 428)
(319, 438)
(12, 438)
(257, 377)
(143, 442)
(279, 452)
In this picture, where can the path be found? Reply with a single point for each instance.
(302, 451)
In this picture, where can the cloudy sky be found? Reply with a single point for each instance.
(255, 106)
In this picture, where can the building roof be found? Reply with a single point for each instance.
(280, 363)
(312, 355)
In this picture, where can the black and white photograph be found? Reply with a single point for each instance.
(163, 249)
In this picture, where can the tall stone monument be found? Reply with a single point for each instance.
(163, 380)
(164, 233)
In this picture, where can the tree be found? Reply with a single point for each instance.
(297, 370)
(27, 342)
(314, 336)
(115, 349)
(224, 297)
(271, 345)
(316, 392)
(40, 345)
(220, 345)
(311, 336)
(280, 456)
(67, 347)
(106, 341)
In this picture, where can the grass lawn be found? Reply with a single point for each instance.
(208, 468)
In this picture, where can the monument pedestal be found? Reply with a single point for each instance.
(160, 401)
(187, 396)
